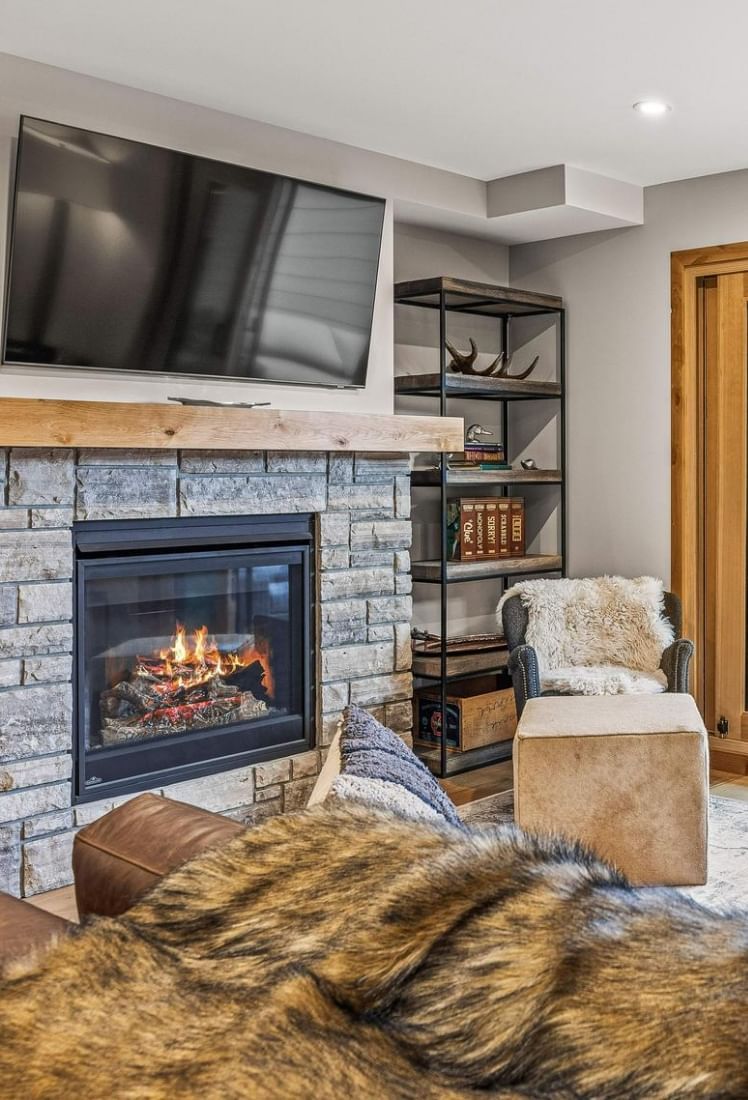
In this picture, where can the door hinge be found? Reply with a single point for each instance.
(723, 726)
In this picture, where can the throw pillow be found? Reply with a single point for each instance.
(378, 768)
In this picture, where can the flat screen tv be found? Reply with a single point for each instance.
(130, 257)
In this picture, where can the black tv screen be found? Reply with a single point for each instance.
(126, 256)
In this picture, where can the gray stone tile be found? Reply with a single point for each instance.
(380, 467)
(296, 462)
(14, 519)
(15, 805)
(335, 696)
(296, 794)
(28, 641)
(47, 670)
(10, 859)
(60, 821)
(392, 534)
(342, 622)
(216, 792)
(51, 517)
(8, 604)
(255, 495)
(340, 469)
(375, 690)
(390, 610)
(356, 582)
(334, 530)
(371, 501)
(109, 456)
(122, 492)
(35, 720)
(357, 660)
(16, 774)
(10, 674)
(222, 462)
(399, 716)
(47, 863)
(402, 497)
(41, 476)
(272, 772)
(40, 603)
(35, 555)
(305, 765)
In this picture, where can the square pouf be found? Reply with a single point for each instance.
(627, 775)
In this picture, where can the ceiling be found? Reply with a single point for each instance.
(483, 87)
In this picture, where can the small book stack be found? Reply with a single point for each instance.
(485, 528)
(480, 456)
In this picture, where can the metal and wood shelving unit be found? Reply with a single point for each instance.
(447, 295)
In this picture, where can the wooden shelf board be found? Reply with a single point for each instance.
(488, 477)
(458, 762)
(476, 570)
(36, 422)
(467, 296)
(466, 385)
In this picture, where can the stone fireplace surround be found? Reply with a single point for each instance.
(363, 629)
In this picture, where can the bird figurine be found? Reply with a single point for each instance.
(476, 432)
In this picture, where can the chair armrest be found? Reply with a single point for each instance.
(525, 673)
(675, 663)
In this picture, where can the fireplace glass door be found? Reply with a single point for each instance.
(190, 659)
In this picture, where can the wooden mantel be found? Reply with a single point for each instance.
(37, 422)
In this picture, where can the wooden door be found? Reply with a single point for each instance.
(723, 430)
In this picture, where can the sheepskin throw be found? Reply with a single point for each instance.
(597, 636)
(345, 954)
(378, 768)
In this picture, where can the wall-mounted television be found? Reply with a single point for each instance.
(129, 257)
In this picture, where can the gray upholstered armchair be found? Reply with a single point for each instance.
(524, 665)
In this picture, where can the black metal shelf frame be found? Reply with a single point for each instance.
(438, 291)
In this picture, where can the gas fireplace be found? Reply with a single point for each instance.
(193, 649)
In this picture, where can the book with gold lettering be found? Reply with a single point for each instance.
(517, 526)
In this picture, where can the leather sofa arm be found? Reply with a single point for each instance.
(124, 854)
(675, 663)
(525, 673)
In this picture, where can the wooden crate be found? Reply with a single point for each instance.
(478, 713)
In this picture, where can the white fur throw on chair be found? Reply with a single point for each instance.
(597, 636)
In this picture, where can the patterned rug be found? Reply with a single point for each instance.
(727, 887)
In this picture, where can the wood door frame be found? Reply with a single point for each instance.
(687, 417)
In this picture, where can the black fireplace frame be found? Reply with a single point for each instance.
(128, 543)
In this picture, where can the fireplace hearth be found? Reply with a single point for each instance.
(193, 647)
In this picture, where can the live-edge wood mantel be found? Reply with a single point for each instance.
(39, 422)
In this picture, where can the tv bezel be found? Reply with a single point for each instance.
(165, 375)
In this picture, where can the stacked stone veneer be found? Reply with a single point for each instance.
(363, 602)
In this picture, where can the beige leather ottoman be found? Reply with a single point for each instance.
(625, 774)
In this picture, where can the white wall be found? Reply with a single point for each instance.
(617, 290)
(47, 92)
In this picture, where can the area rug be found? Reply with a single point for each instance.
(727, 887)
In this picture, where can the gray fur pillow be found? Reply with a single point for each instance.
(378, 768)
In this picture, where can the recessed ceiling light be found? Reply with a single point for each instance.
(654, 108)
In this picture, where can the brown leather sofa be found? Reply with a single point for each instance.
(116, 860)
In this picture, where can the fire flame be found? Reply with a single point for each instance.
(194, 659)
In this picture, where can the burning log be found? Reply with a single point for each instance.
(190, 685)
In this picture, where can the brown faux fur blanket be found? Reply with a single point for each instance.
(341, 953)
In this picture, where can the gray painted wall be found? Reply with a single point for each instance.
(617, 289)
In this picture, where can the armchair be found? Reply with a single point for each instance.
(525, 666)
